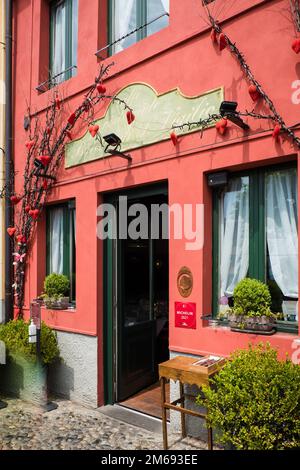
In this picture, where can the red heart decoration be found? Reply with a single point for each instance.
(276, 133)
(213, 36)
(21, 239)
(93, 130)
(11, 231)
(254, 92)
(296, 45)
(57, 103)
(69, 135)
(45, 184)
(222, 42)
(34, 213)
(174, 138)
(27, 209)
(101, 88)
(221, 126)
(130, 117)
(44, 159)
(71, 119)
(29, 144)
(15, 199)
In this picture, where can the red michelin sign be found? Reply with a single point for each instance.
(185, 315)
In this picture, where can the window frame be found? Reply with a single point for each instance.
(141, 19)
(70, 68)
(257, 233)
(69, 251)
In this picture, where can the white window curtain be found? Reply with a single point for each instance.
(74, 34)
(282, 229)
(56, 237)
(59, 39)
(234, 236)
(125, 20)
(156, 8)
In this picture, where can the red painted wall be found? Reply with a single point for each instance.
(183, 56)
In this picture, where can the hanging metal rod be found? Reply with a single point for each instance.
(130, 33)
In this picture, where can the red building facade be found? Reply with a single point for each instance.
(104, 358)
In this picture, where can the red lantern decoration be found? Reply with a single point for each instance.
(222, 41)
(44, 159)
(29, 144)
(174, 138)
(254, 92)
(276, 133)
(72, 119)
(221, 126)
(11, 231)
(130, 117)
(101, 88)
(296, 45)
(15, 200)
(34, 213)
(93, 130)
(213, 36)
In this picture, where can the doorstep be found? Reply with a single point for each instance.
(132, 417)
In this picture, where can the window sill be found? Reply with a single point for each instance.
(68, 310)
(226, 328)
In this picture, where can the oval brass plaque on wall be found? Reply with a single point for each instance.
(185, 282)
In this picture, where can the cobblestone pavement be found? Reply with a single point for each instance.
(23, 426)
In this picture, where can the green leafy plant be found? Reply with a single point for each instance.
(254, 401)
(252, 298)
(56, 286)
(15, 336)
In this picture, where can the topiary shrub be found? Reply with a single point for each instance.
(252, 298)
(15, 336)
(56, 286)
(254, 401)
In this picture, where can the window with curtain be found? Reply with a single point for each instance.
(63, 39)
(61, 242)
(256, 235)
(128, 15)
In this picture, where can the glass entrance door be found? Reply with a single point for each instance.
(142, 333)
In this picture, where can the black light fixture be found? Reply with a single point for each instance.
(114, 142)
(228, 110)
(38, 164)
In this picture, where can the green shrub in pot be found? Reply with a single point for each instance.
(15, 336)
(251, 309)
(254, 401)
(23, 375)
(56, 290)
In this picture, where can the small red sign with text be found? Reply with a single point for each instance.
(185, 315)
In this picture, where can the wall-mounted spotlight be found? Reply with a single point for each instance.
(228, 110)
(113, 146)
(38, 164)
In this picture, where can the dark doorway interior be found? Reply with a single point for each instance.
(142, 308)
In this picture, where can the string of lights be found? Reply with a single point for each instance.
(226, 41)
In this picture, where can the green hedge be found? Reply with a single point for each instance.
(15, 336)
(254, 401)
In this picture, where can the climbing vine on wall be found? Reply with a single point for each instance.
(46, 139)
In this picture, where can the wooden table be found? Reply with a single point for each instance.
(182, 368)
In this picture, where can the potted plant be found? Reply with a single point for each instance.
(25, 374)
(56, 289)
(251, 308)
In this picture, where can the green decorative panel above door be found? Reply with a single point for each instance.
(155, 116)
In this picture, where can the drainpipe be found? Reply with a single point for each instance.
(2, 159)
(8, 161)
